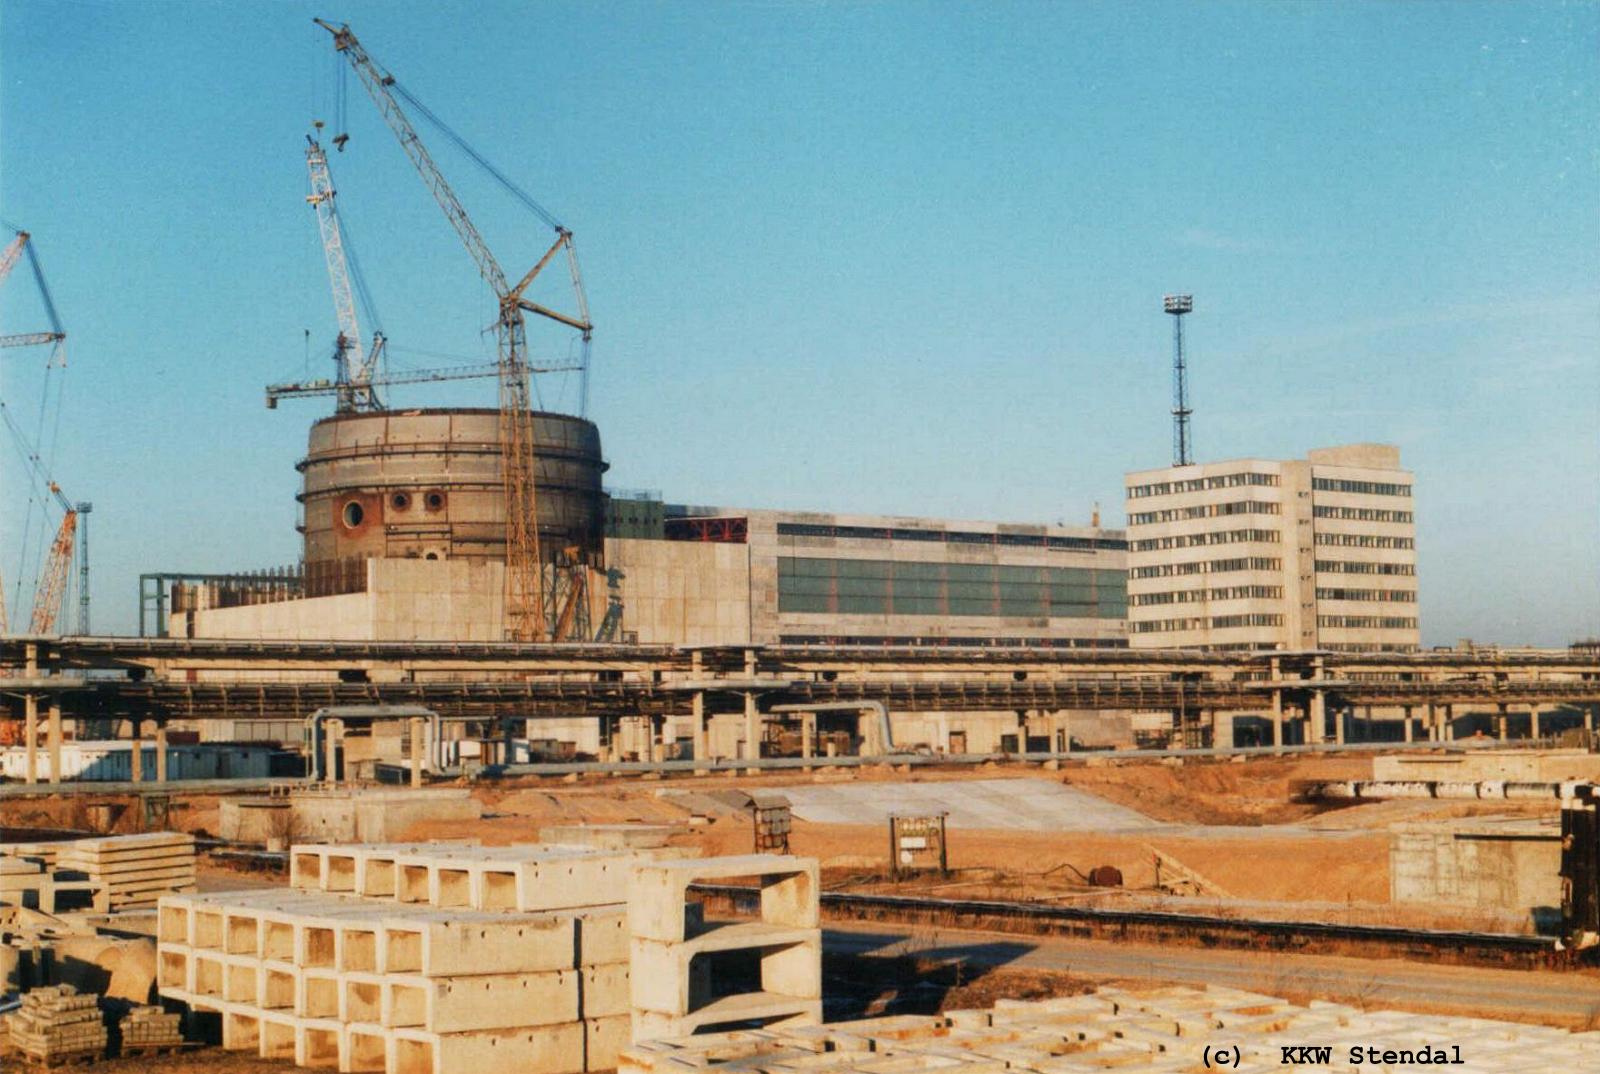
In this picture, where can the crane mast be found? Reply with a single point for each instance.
(355, 367)
(524, 595)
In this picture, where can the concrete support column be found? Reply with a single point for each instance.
(1340, 718)
(808, 734)
(1447, 730)
(419, 738)
(161, 752)
(1430, 723)
(331, 730)
(698, 707)
(136, 754)
(30, 737)
(1316, 718)
(1533, 720)
(1500, 724)
(1066, 732)
(1277, 715)
(752, 726)
(55, 742)
(1407, 711)
(1588, 718)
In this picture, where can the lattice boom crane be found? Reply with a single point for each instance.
(524, 597)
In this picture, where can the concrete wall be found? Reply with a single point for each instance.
(1523, 766)
(1494, 863)
(682, 592)
(405, 600)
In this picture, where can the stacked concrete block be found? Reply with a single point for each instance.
(149, 1029)
(133, 871)
(341, 970)
(1160, 1029)
(673, 948)
(55, 1025)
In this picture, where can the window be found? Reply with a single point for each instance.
(1189, 540)
(1362, 514)
(1365, 540)
(886, 587)
(1339, 566)
(1365, 622)
(1393, 596)
(1200, 484)
(964, 537)
(1369, 488)
(1205, 510)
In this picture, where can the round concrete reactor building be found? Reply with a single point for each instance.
(425, 484)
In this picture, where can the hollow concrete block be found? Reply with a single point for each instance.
(481, 1001)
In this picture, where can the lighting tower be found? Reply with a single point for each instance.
(1178, 305)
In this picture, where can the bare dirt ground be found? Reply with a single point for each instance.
(1232, 822)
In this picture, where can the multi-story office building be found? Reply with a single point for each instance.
(1318, 553)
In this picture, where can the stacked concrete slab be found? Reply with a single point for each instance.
(1157, 1030)
(133, 871)
(415, 959)
(674, 948)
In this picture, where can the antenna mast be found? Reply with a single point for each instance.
(1177, 306)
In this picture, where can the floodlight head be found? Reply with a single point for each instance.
(1176, 304)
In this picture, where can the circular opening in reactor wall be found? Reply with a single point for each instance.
(431, 555)
(433, 500)
(400, 501)
(353, 514)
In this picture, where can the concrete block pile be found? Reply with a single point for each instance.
(132, 871)
(55, 1025)
(415, 959)
(1155, 1031)
(674, 951)
(149, 1029)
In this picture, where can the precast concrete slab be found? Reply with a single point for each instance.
(1005, 804)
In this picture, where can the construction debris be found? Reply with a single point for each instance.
(1159, 1031)
(56, 1025)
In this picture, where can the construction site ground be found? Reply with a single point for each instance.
(1233, 823)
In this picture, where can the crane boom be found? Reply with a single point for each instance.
(13, 250)
(355, 366)
(524, 593)
(378, 81)
(414, 376)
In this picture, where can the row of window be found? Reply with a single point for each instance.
(1390, 596)
(939, 641)
(1200, 484)
(1003, 540)
(1365, 540)
(887, 587)
(1365, 647)
(1214, 566)
(1191, 596)
(1190, 540)
(1361, 514)
(1346, 566)
(1216, 622)
(1356, 622)
(1205, 510)
(1370, 488)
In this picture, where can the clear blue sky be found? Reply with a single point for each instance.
(893, 257)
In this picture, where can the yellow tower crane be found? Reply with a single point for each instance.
(525, 589)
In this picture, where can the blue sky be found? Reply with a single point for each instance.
(901, 258)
